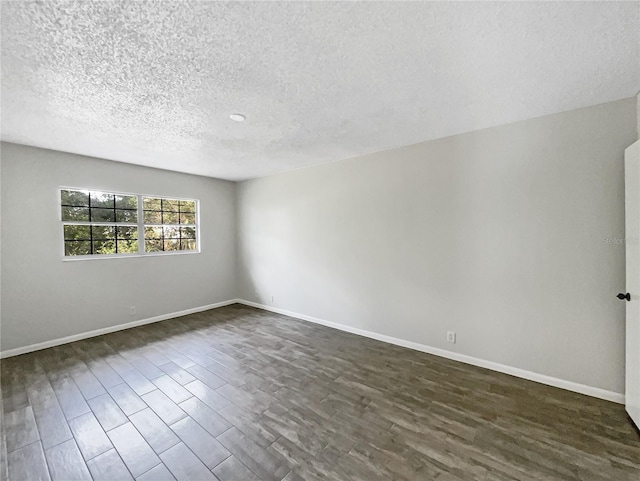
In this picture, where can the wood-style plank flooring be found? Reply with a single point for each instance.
(242, 394)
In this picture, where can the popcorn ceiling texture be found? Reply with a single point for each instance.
(153, 82)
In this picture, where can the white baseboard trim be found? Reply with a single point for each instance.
(514, 371)
(494, 366)
(106, 330)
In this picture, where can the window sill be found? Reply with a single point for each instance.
(125, 256)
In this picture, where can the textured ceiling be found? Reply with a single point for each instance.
(153, 83)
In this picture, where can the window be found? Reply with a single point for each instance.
(105, 223)
(169, 224)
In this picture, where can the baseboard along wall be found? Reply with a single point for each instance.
(106, 330)
(494, 366)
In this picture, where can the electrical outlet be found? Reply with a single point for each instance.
(451, 337)
(271, 299)
(132, 310)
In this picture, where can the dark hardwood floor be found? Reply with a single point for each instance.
(242, 394)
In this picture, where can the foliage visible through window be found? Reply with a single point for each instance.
(169, 224)
(98, 223)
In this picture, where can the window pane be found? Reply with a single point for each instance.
(188, 232)
(77, 248)
(75, 213)
(152, 217)
(107, 232)
(126, 202)
(74, 197)
(153, 232)
(171, 232)
(127, 232)
(172, 245)
(127, 246)
(127, 216)
(102, 215)
(101, 199)
(170, 205)
(188, 244)
(164, 220)
(187, 206)
(187, 218)
(151, 203)
(104, 246)
(77, 232)
(170, 217)
(153, 245)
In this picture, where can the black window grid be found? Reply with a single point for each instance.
(162, 224)
(93, 239)
(89, 223)
(164, 238)
(138, 224)
(111, 209)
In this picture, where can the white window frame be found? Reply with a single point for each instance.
(140, 225)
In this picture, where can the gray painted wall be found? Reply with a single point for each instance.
(638, 113)
(44, 298)
(497, 234)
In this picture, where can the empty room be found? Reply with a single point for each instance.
(319, 241)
